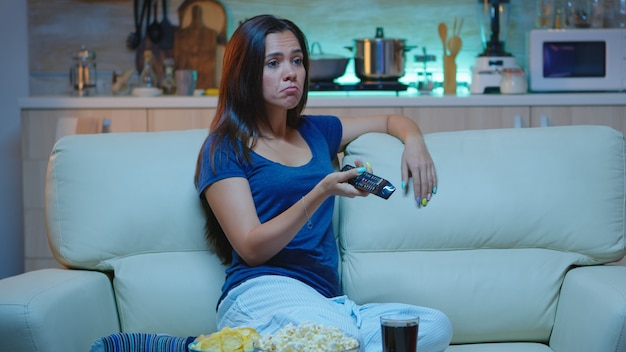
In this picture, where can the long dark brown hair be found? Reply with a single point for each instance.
(241, 112)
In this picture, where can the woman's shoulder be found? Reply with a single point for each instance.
(321, 121)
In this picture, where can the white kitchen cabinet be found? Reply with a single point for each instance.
(613, 116)
(40, 131)
(439, 119)
(352, 111)
(179, 119)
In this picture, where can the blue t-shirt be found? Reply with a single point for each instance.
(311, 256)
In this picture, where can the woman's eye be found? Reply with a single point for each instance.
(272, 63)
(297, 61)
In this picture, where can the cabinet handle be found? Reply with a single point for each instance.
(544, 121)
(517, 121)
(106, 125)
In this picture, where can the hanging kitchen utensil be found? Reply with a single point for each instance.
(159, 51)
(154, 31)
(133, 39)
(167, 30)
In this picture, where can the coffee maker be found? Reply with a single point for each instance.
(493, 17)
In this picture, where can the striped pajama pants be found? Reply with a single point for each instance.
(268, 303)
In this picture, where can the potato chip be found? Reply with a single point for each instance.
(231, 341)
(227, 340)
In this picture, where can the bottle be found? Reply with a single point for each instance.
(147, 78)
(168, 84)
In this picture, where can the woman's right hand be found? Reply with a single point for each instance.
(337, 182)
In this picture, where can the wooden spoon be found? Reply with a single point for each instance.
(454, 44)
(443, 35)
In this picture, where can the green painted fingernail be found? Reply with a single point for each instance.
(424, 201)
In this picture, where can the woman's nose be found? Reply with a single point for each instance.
(289, 73)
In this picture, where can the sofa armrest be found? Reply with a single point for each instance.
(56, 310)
(591, 313)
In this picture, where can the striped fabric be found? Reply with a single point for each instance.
(138, 342)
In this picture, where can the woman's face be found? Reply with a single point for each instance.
(283, 71)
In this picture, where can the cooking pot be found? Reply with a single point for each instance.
(379, 58)
(325, 67)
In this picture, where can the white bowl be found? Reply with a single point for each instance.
(146, 92)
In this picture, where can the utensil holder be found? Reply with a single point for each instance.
(449, 74)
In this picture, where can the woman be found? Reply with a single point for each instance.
(266, 178)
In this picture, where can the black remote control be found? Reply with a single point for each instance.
(371, 183)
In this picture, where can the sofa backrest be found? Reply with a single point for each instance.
(514, 210)
(125, 203)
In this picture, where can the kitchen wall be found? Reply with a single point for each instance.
(14, 85)
(58, 28)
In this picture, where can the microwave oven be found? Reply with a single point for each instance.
(568, 60)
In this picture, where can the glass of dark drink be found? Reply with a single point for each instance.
(399, 332)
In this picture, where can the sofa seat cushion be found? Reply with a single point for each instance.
(172, 292)
(484, 301)
(500, 347)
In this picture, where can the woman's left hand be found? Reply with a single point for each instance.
(417, 164)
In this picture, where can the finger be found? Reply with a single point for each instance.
(351, 173)
(368, 167)
(358, 163)
(404, 176)
(417, 186)
(434, 181)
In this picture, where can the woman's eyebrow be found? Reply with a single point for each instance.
(279, 53)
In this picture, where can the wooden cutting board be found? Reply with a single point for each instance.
(201, 31)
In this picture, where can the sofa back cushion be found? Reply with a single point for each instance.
(514, 210)
(125, 203)
(111, 195)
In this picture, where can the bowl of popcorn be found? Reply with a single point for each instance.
(307, 337)
(291, 338)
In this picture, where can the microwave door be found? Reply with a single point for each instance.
(574, 59)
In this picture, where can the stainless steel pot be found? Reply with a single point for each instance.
(325, 67)
(380, 58)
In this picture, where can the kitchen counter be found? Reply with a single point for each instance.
(333, 99)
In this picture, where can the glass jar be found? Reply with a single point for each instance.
(513, 81)
(148, 78)
(168, 84)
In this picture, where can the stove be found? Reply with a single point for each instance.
(360, 86)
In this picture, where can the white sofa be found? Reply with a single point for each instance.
(512, 247)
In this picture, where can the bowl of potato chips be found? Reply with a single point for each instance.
(226, 340)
